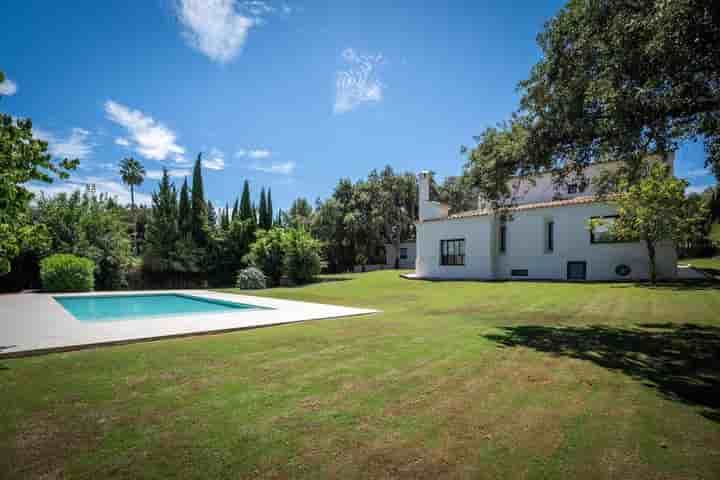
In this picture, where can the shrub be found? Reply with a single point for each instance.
(302, 256)
(67, 273)
(268, 254)
(250, 278)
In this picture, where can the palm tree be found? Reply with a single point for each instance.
(132, 173)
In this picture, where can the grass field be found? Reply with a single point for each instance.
(709, 262)
(479, 380)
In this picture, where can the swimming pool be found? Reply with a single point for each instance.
(106, 308)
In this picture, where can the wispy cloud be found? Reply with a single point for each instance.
(696, 188)
(172, 172)
(75, 145)
(214, 27)
(214, 159)
(8, 87)
(149, 138)
(122, 141)
(109, 187)
(256, 154)
(278, 168)
(358, 83)
(698, 172)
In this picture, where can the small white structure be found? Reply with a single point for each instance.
(547, 237)
(405, 255)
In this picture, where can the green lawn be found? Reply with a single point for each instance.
(705, 263)
(480, 380)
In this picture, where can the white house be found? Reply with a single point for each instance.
(405, 255)
(547, 237)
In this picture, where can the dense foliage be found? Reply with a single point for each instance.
(268, 254)
(67, 273)
(92, 226)
(655, 209)
(302, 256)
(23, 158)
(250, 278)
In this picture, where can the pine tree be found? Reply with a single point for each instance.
(184, 219)
(269, 211)
(212, 215)
(262, 210)
(225, 218)
(199, 215)
(162, 229)
(245, 203)
(235, 210)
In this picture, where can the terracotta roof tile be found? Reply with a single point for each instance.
(528, 206)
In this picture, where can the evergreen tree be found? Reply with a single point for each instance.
(262, 210)
(184, 217)
(269, 211)
(245, 203)
(162, 229)
(235, 210)
(212, 215)
(225, 218)
(199, 214)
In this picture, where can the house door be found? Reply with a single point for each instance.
(577, 270)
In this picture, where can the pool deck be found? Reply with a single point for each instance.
(34, 323)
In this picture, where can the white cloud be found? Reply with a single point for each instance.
(75, 145)
(172, 172)
(698, 172)
(214, 159)
(257, 154)
(214, 27)
(359, 83)
(112, 188)
(149, 138)
(122, 141)
(696, 189)
(8, 87)
(279, 168)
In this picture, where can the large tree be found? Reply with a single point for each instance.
(198, 207)
(162, 230)
(655, 209)
(625, 79)
(23, 159)
(184, 211)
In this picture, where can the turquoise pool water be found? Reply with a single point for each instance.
(104, 308)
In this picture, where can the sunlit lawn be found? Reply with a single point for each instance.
(453, 379)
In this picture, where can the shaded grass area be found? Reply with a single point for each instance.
(481, 380)
(709, 265)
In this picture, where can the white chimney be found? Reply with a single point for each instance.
(428, 209)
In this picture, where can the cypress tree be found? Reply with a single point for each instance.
(225, 217)
(236, 209)
(184, 211)
(262, 210)
(162, 229)
(199, 214)
(245, 212)
(212, 215)
(269, 210)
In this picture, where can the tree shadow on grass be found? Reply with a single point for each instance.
(685, 285)
(681, 361)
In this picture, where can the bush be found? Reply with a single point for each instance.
(67, 273)
(268, 254)
(250, 279)
(302, 256)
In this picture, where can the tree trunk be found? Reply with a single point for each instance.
(134, 219)
(651, 257)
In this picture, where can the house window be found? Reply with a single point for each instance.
(452, 252)
(602, 232)
(572, 188)
(519, 273)
(550, 238)
(577, 270)
(503, 238)
(403, 253)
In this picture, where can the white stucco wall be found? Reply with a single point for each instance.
(526, 247)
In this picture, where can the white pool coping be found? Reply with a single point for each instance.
(34, 323)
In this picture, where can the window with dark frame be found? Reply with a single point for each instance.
(572, 188)
(452, 252)
(403, 253)
(503, 238)
(550, 240)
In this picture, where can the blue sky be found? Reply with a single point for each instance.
(289, 95)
